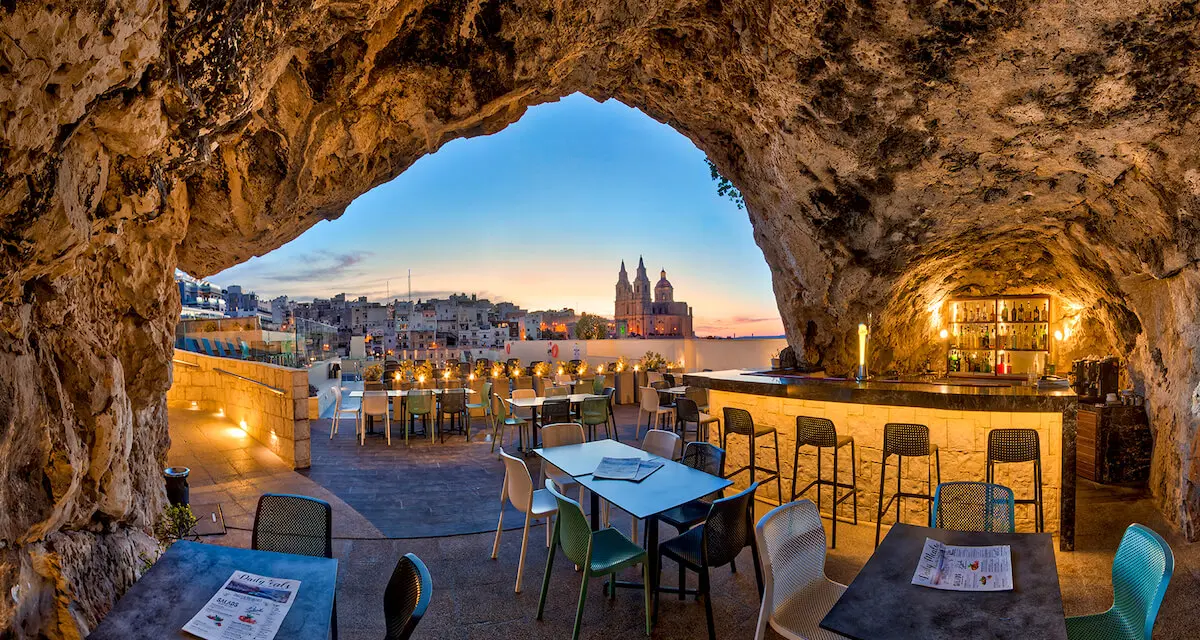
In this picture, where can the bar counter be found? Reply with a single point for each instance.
(959, 414)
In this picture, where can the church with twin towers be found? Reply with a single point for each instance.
(637, 315)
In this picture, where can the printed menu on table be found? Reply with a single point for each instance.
(247, 607)
(956, 568)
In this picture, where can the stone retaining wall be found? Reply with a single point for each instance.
(276, 415)
(961, 437)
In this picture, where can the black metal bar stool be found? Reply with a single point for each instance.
(820, 433)
(1018, 445)
(911, 440)
(740, 422)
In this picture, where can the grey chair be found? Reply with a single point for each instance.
(299, 525)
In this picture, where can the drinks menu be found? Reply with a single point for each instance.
(955, 568)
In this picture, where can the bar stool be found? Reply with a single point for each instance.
(910, 440)
(1018, 445)
(820, 433)
(740, 422)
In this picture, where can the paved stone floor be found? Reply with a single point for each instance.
(473, 595)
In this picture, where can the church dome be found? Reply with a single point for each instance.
(662, 280)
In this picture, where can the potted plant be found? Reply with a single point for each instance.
(423, 374)
(775, 360)
(540, 370)
(625, 381)
(373, 373)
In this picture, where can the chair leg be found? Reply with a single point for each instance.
(524, 546)
(499, 528)
(854, 479)
(646, 591)
(796, 470)
(778, 481)
(879, 511)
(834, 508)
(682, 581)
(333, 619)
(545, 579)
(708, 615)
(387, 425)
(582, 600)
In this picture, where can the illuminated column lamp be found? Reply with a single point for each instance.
(862, 353)
(945, 335)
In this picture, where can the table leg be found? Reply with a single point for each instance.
(533, 429)
(595, 510)
(652, 558)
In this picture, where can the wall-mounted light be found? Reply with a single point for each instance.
(1058, 335)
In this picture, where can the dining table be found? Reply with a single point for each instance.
(535, 403)
(190, 573)
(403, 393)
(670, 486)
(883, 604)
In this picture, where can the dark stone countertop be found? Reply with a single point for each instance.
(954, 395)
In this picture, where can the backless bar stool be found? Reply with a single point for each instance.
(740, 422)
(820, 433)
(1018, 445)
(911, 440)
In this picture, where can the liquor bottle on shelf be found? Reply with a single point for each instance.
(1020, 311)
(1037, 313)
(984, 338)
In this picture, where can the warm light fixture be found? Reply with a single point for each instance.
(600, 369)
(943, 334)
(397, 377)
(635, 367)
(560, 371)
(1058, 335)
(421, 379)
(446, 375)
(862, 351)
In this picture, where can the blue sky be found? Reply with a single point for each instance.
(540, 214)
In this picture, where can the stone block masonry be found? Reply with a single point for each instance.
(269, 402)
(961, 437)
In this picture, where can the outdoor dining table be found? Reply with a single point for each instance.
(883, 604)
(403, 393)
(533, 404)
(190, 573)
(668, 487)
(676, 391)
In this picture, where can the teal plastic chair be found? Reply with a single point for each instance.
(598, 553)
(1140, 574)
(973, 506)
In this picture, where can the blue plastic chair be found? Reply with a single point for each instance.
(233, 351)
(973, 506)
(207, 347)
(191, 345)
(1140, 574)
(220, 348)
(245, 350)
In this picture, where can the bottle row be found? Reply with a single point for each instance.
(1010, 311)
(981, 363)
(1023, 337)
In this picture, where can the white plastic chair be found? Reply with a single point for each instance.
(796, 593)
(649, 405)
(557, 435)
(345, 406)
(374, 403)
(654, 376)
(536, 505)
(564, 379)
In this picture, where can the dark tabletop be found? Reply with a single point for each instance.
(582, 459)
(190, 573)
(670, 486)
(883, 604)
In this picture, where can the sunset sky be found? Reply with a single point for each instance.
(540, 214)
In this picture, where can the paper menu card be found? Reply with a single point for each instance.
(635, 469)
(957, 568)
(246, 607)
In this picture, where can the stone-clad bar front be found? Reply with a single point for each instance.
(959, 417)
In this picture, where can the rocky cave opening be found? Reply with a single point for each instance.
(890, 155)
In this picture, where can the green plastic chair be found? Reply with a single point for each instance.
(504, 420)
(1140, 574)
(973, 506)
(598, 385)
(594, 412)
(598, 553)
(485, 403)
(419, 403)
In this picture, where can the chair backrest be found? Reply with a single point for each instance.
(662, 443)
(1013, 445)
(653, 376)
(454, 401)
(687, 410)
(562, 433)
(791, 553)
(557, 392)
(406, 597)
(293, 524)
(571, 528)
(523, 394)
(594, 411)
(738, 421)
(374, 403)
(658, 384)
(373, 385)
(905, 439)
(669, 378)
(706, 457)
(556, 410)
(973, 506)
(485, 397)
(598, 385)
(817, 432)
(1141, 571)
(419, 401)
(563, 379)
(450, 383)
(649, 398)
(518, 484)
(523, 382)
(729, 527)
(699, 395)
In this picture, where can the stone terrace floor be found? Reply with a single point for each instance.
(391, 501)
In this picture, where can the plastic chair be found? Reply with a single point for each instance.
(905, 440)
(293, 524)
(820, 433)
(504, 420)
(686, 412)
(1141, 571)
(710, 459)
(375, 403)
(346, 406)
(740, 422)
(1015, 446)
(483, 405)
(558, 435)
(454, 404)
(610, 394)
(555, 411)
(598, 553)
(973, 506)
(406, 597)
(536, 505)
(419, 403)
(664, 444)
(796, 592)
(699, 395)
(593, 412)
(727, 530)
(653, 411)
(598, 385)
(557, 392)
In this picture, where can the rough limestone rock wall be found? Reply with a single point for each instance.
(891, 153)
